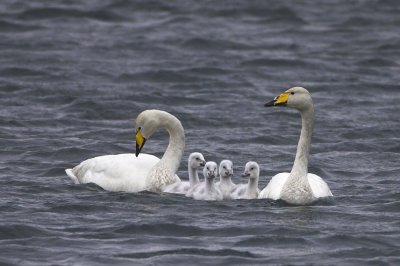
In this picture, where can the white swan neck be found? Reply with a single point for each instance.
(297, 189)
(210, 184)
(300, 165)
(174, 152)
(226, 180)
(193, 176)
(252, 185)
(164, 172)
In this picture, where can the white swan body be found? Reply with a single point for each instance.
(225, 183)
(297, 187)
(114, 172)
(195, 161)
(130, 173)
(249, 190)
(207, 189)
(274, 187)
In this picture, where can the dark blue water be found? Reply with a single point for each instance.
(75, 74)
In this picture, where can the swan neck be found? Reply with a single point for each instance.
(193, 176)
(226, 180)
(252, 184)
(174, 152)
(300, 165)
(210, 184)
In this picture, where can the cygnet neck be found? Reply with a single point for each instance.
(210, 184)
(225, 180)
(193, 176)
(252, 184)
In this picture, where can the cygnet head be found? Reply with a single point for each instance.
(196, 160)
(210, 170)
(296, 97)
(251, 170)
(226, 168)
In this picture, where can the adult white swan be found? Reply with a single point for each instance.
(297, 187)
(130, 173)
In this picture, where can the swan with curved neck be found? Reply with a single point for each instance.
(249, 190)
(297, 187)
(195, 161)
(137, 172)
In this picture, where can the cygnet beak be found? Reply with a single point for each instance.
(202, 163)
(246, 174)
(211, 175)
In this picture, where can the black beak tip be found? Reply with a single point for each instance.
(138, 149)
(270, 103)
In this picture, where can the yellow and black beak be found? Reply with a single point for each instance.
(279, 100)
(140, 141)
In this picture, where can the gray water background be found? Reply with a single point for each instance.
(75, 74)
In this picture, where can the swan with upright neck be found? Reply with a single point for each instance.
(297, 187)
(195, 161)
(137, 172)
(225, 183)
(249, 190)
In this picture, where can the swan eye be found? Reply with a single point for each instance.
(197, 159)
(139, 128)
(224, 167)
(251, 169)
(292, 93)
(208, 168)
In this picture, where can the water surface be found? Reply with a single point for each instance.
(74, 75)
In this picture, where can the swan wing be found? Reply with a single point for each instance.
(274, 187)
(319, 187)
(238, 191)
(178, 187)
(122, 172)
(197, 191)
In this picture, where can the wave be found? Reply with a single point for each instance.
(18, 231)
(21, 72)
(6, 26)
(54, 12)
(190, 251)
(199, 43)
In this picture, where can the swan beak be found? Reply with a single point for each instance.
(246, 174)
(279, 100)
(202, 163)
(140, 141)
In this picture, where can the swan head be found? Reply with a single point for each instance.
(251, 170)
(296, 97)
(210, 170)
(196, 160)
(147, 122)
(226, 168)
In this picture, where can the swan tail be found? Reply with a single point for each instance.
(319, 187)
(71, 174)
